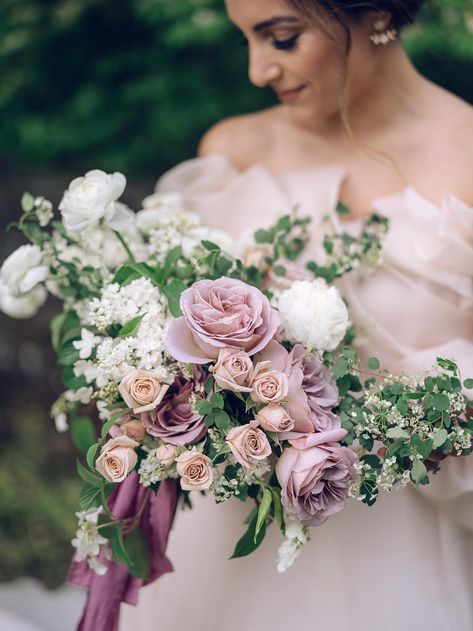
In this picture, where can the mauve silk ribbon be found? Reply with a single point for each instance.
(106, 593)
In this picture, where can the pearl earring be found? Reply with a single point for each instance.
(382, 34)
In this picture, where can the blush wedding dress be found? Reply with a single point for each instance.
(405, 564)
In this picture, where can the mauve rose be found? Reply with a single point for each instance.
(174, 420)
(233, 370)
(195, 470)
(165, 455)
(117, 458)
(269, 386)
(223, 313)
(274, 418)
(312, 390)
(142, 390)
(315, 481)
(248, 443)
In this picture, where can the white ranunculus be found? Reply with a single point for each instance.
(314, 314)
(21, 293)
(92, 198)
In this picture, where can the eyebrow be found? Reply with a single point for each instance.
(275, 21)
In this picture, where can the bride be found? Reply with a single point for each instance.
(356, 123)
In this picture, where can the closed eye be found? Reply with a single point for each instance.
(286, 44)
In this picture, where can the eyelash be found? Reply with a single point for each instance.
(280, 44)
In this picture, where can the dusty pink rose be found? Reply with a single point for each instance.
(255, 255)
(233, 370)
(166, 455)
(117, 458)
(142, 390)
(269, 386)
(274, 418)
(223, 313)
(134, 429)
(315, 480)
(248, 443)
(174, 421)
(195, 470)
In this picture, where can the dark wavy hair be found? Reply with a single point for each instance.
(403, 12)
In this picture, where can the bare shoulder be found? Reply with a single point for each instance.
(243, 140)
(452, 144)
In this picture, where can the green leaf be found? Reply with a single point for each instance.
(419, 472)
(397, 433)
(82, 433)
(373, 363)
(114, 533)
(27, 202)
(137, 549)
(248, 544)
(88, 476)
(173, 291)
(440, 402)
(209, 384)
(204, 407)
(447, 364)
(218, 400)
(263, 511)
(222, 420)
(91, 456)
(125, 275)
(373, 461)
(468, 384)
(342, 210)
(439, 437)
(131, 327)
(210, 246)
(423, 447)
(278, 509)
(89, 497)
(68, 355)
(110, 423)
(263, 236)
(280, 270)
(340, 369)
(283, 223)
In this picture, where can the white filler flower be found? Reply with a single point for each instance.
(314, 314)
(90, 199)
(21, 275)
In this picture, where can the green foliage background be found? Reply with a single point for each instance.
(132, 85)
(125, 85)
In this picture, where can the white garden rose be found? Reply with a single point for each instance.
(314, 314)
(90, 199)
(21, 275)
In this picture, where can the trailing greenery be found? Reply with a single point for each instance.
(132, 85)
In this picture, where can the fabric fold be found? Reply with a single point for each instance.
(107, 592)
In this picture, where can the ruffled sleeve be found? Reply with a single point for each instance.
(434, 247)
(239, 202)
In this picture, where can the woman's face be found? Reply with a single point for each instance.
(300, 62)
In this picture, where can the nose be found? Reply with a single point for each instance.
(262, 70)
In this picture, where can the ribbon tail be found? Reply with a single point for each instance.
(108, 591)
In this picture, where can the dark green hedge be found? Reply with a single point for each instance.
(132, 84)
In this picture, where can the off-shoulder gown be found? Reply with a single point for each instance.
(407, 563)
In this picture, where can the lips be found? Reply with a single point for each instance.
(291, 94)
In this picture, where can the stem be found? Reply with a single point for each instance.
(125, 245)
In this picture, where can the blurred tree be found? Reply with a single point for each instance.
(132, 85)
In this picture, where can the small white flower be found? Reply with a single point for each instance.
(83, 395)
(297, 535)
(21, 275)
(90, 199)
(61, 423)
(44, 211)
(88, 540)
(314, 314)
(86, 344)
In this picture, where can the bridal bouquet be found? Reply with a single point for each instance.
(191, 363)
